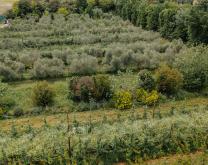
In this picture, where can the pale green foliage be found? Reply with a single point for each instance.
(84, 66)
(193, 63)
(50, 143)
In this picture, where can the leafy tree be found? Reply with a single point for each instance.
(24, 7)
(153, 16)
(167, 21)
(198, 26)
(39, 8)
(193, 64)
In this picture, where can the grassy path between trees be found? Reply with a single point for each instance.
(99, 115)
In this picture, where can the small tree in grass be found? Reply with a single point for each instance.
(169, 80)
(43, 94)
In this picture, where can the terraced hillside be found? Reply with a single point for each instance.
(93, 88)
(61, 46)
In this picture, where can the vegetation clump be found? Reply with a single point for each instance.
(86, 88)
(169, 80)
(146, 80)
(43, 95)
(194, 66)
(147, 98)
(123, 99)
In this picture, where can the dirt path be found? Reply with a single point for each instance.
(83, 117)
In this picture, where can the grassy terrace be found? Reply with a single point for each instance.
(98, 115)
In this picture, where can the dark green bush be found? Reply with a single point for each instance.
(153, 16)
(198, 25)
(39, 8)
(43, 95)
(53, 6)
(8, 74)
(81, 5)
(146, 80)
(181, 30)
(103, 87)
(142, 17)
(24, 7)
(167, 20)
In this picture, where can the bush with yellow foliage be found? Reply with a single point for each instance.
(147, 98)
(123, 99)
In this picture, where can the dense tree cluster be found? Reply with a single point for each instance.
(188, 22)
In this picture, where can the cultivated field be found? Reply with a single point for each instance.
(87, 83)
(79, 45)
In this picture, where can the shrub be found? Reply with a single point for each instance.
(48, 68)
(84, 66)
(24, 7)
(169, 80)
(63, 10)
(141, 95)
(103, 87)
(6, 101)
(106, 5)
(181, 30)
(193, 63)
(167, 21)
(38, 8)
(92, 3)
(146, 80)
(96, 13)
(153, 16)
(142, 17)
(86, 88)
(7, 74)
(53, 6)
(116, 65)
(152, 98)
(147, 98)
(81, 5)
(82, 89)
(197, 26)
(43, 94)
(123, 99)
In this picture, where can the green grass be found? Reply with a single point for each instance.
(197, 158)
(122, 139)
